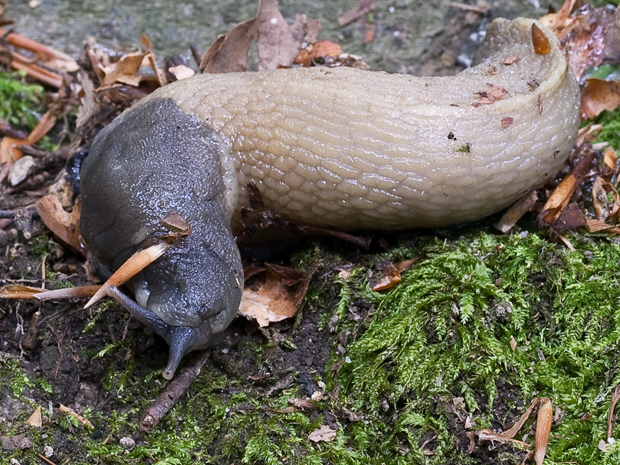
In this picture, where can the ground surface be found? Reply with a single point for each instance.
(397, 377)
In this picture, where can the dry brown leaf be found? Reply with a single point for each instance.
(589, 36)
(35, 420)
(44, 125)
(541, 43)
(543, 430)
(510, 60)
(274, 295)
(324, 434)
(312, 52)
(124, 70)
(9, 154)
(370, 29)
(603, 210)
(392, 274)
(599, 95)
(506, 122)
(489, 95)
(275, 42)
(594, 226)
(229, 52)
(562, 194)
(543, 404)
(63, 224)
(181, 72)
(355, 13)
(609, 159)
(561, 19)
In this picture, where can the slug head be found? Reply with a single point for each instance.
(152, 160)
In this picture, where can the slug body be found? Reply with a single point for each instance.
(333, 147)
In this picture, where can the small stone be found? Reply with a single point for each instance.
(48, 451)
(14, 462)
(21, 169)
(128, 443)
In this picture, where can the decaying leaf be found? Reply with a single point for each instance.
(562, 194)
(543, 429)
(19, 291)
(9, 154)
(35, 419)
(63, 224)
(489, 95)
(229, 52)
(277, 43)
(126, 70)
(589, 35)
(392, 274)
(275, 294)
(599, 95)
(602, 208)
(316, 50)
(324, 434)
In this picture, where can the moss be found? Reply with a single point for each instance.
(20, 103)
(611, 128)
(446, 333)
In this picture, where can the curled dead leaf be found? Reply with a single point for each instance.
(324, 434)
(274, 294)
(392, 274)
(312, 52)
(599, 95)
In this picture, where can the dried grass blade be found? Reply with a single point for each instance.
(134, 264)
(543, 430)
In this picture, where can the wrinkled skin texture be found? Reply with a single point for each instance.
(140, 168)
(341, 148)
(350, 149)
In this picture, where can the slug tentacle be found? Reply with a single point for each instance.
(333, 147)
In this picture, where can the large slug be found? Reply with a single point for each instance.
(335, 147)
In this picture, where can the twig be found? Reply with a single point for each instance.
(174, 391)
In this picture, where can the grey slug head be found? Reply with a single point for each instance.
(153, 160)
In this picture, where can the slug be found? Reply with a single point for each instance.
(332, 147)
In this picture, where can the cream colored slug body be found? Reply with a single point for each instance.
(354, 149)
